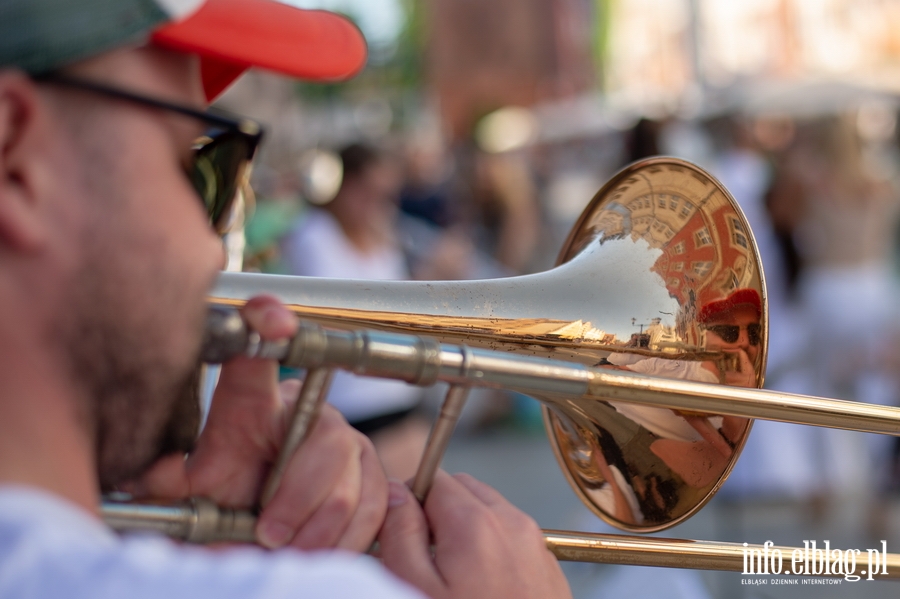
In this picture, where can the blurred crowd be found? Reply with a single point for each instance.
(822, 199)
(821, 195)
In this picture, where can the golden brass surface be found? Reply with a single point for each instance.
(659, 277)
(658, 251)
(683, 553)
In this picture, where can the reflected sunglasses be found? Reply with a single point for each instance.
(221, 155)
(730, 332)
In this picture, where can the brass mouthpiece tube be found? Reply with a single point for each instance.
(424, 361)
(196, 520)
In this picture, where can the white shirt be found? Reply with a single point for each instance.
(606, 498)
(317, 247)
(50, 548)
(661, 421)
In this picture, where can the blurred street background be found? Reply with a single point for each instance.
(499, 120)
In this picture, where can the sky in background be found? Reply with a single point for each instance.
(380, 20)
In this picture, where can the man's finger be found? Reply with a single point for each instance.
(329, 522)
(246, 380)
(746, 364)
(267, 316)
(329, 454)
(404, 541)
(370, 513)
(242, 431)
(486, 493)
(166, 479)
(288, 390)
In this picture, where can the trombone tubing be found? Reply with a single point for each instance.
(679, 553)
(423, 361)
(201, 521)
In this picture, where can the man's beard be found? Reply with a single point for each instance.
(131, 328)
(141, 401)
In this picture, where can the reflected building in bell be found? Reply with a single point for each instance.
(705, 251)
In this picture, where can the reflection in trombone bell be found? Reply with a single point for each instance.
(662, 237)
(685, 439)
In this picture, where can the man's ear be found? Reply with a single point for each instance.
(25, 167)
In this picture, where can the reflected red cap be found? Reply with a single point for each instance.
(232, 35)
(741, 297)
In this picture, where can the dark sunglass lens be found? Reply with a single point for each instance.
(205, 181)
(218, 167)
(753, 333)
(728, 332)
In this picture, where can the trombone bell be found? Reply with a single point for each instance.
(660, 276)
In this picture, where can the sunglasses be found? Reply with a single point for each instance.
(221, 155)
(730, 332)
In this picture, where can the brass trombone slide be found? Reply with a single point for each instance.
(423, 361)
(660, 276)
(201, 521)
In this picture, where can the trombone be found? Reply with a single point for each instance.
(661, 244)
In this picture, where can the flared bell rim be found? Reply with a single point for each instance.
(577, 241)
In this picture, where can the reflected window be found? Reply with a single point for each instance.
(678, 248)
(678, 266)
(701, 269)
(738, 234)
(702, 237)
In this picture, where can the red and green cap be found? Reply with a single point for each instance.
(230, 36)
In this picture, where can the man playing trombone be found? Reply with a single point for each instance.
(106, 258)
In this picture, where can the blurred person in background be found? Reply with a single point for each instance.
(355, 236)
(508, 211)
(500, 229)
(426, 192)
(778, 460)
(642, 140)
(108, 254)
(447, 236)
(437, 241)
(846, 289)
(355, 232)
(362, 234)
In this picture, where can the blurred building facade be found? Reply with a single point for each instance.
(458, 60)
(482, 56)
(671, 51)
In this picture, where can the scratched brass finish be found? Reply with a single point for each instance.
(679, 230)
(659, 246)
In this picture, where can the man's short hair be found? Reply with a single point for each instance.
(357, 157)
